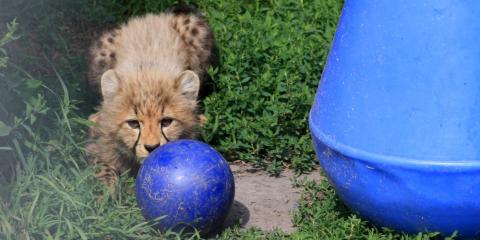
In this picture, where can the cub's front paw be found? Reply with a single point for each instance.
(109, 176)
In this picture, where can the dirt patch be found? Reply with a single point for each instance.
(264, 201)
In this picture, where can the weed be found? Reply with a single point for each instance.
(321, 215)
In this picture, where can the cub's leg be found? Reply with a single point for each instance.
(108, 162)
(109, 176)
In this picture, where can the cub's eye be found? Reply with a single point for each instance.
(165, 122)
(133, 124)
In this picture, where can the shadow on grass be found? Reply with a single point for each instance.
(46, 71)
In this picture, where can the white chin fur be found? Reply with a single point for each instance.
(141, 159)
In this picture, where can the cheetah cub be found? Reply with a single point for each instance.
(149, 72)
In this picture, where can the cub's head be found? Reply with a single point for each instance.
(144, 110)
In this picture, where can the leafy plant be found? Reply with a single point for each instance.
(272, 57)
(6, 38)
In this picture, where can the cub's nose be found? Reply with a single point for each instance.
(150, 148)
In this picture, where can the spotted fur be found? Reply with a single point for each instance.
(149, 72)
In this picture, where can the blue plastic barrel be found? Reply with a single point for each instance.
(396, 119)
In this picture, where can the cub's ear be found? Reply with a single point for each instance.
(188, 84)
(110, 84)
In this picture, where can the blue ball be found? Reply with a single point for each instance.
(187, 183)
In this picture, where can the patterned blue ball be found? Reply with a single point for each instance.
(187, 183)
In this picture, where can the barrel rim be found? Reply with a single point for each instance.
(376, 158)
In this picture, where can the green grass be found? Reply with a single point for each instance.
(270, 69)
(272, 55)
